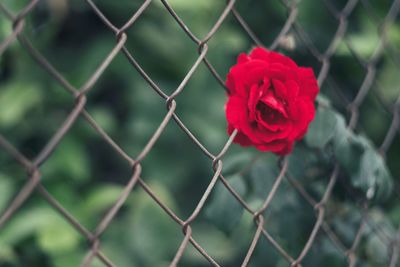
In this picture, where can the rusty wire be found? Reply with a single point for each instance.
(321, 226)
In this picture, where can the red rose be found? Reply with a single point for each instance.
(271, 100)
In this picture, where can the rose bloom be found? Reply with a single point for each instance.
(271, 100)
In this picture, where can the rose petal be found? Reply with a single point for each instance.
(270, 100)
(254, 96)
(240, 138)
(280, 147)
(292, 89)
(280, 89)
(237, 117)
(242, 58)
(271, 56)
(266, 135)
(309, 85)
(286, 150)
(235, 110)
(303, 113)
(277, 73)
(241, 77)
(276, 57)
(260, 53)
(266, 125)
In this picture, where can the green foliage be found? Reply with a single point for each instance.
(367, 169)
(346, 148)
(25, 224)
(224, 211)
(322, 128)
(6, 190)
(63, 162)
(376, 249)
(373, 176)
(262, 175)
(102, 197)
(152, 230)
(16, 100)
(86, 178)
(57, 236)
(237, 162)
(355, 153)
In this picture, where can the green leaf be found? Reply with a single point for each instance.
(16, 100)
(104, 117)
(237, 162)
(388, 77)
(378, 216)
(57, 236)
(69, 159)
(54, 234)
(6, 191)
(71, 258)
(148, 223)
(224, 210)
(302, 163)
(24, 224)
(346, 221)
(101, 197)
(262, 176)
(364, 41)
(361, 161)
(376, 249)
(323, 100)
(394, 213)
(322, 128)
(373, 176)
(7, 255)
(114, 249)
(197, 5)
(5, 27)
(346, 148)
(220, 247)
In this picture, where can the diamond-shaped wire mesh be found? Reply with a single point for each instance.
(291, 30)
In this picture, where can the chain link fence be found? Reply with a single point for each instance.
(291, 35)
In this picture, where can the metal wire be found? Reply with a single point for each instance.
(321, 225)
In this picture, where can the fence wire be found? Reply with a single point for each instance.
(291, 26)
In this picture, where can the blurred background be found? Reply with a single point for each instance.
(87, 176)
